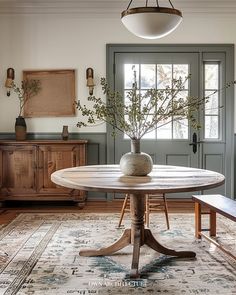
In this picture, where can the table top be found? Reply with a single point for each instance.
(162, 179)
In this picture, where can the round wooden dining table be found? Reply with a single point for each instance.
(162, 179)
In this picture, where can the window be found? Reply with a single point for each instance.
(159, 76)
(212, 107)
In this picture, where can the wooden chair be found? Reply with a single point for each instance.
(153, 203)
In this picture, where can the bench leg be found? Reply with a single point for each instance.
(198, 221)
(212, 223)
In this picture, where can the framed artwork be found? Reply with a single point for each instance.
(56, 97)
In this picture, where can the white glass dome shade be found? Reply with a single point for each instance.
(151, 22)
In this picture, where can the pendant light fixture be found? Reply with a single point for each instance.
(151, 22)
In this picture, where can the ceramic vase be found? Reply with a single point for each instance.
(20, 128)
(136, 163)
(65, 133)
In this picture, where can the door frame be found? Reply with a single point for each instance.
(201, 49)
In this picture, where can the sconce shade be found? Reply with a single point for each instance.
(90, 82)
(10, 77)
(8, 83)
(151, 22)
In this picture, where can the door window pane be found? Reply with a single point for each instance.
(211, 76)
(148, 76)
(129, 75)
(180, 129)
(211, 127)
(127, 97)
(164, 76)
(211, 109)
(212, 106)
(145, 102)
(159, 76)
(183, 94)
(164, 130)
(150, 135)
(181, 71)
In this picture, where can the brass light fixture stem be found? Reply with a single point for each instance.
(129, 4)
(147, 4)
(171, 4)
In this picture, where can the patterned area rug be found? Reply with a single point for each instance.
(43, 257)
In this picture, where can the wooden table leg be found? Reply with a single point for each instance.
(155, 245)
(137, 209)
(135, 259)
(137, 236)
(141, 236)
(118, 245)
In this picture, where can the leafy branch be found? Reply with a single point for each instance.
(28, 89)
(139, 114)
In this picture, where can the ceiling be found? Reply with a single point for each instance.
(111, 8)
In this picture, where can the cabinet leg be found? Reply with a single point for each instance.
(79, 204)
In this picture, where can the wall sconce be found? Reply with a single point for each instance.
(90, 82)
(9, 80)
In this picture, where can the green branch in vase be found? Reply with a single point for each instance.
(138, 114)
(28, 89)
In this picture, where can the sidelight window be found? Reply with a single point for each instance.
(212, 107)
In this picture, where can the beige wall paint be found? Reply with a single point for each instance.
(67, 41)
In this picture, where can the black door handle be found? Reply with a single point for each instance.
(194, 142)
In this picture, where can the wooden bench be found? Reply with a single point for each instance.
(215, 204)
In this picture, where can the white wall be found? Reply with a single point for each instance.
(65, 41)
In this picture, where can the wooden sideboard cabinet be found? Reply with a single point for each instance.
(26, 167)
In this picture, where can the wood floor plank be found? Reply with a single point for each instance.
(8, 213)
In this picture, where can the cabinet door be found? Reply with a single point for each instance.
(18, 170)
(52, 158)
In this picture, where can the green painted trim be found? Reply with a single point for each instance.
(168, 47)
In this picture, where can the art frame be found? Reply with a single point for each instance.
(56, 97)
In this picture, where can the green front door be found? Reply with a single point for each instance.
(171, 144)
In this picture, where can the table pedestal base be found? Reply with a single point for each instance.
(137, 236)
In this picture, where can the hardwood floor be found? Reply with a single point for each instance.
(11, 210)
